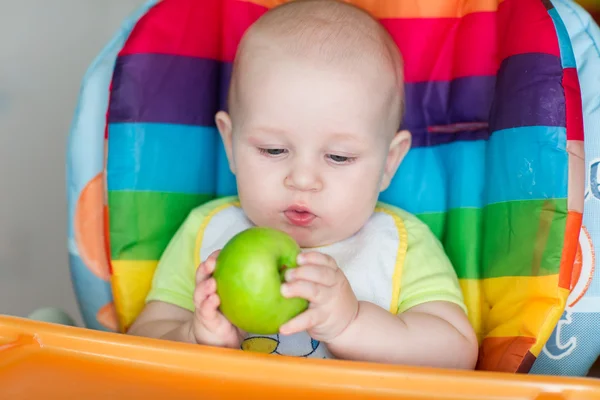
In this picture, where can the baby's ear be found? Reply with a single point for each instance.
(223, 121)
(398, 148)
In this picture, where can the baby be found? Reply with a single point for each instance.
(315, 102)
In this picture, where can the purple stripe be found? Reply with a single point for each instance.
(529, 92)
(184, 90)
(165, 89)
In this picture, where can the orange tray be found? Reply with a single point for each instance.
(47, 361)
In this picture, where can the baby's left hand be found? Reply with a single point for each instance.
(332, 303)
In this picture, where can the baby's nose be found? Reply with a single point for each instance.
(303, 178)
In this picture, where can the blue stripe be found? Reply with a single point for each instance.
(226, 184)
(564, 42)
(162, 158)
(435, 179)
(526, 163)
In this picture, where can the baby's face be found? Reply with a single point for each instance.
(310, 149)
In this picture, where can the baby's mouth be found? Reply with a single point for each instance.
(299, 216)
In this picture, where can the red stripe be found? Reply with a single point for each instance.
(183, 27)
(525, 26)
(574, 104)
(444, 49)
(434, 48)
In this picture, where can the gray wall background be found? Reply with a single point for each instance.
(45, 49)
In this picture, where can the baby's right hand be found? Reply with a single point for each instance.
(210, 326)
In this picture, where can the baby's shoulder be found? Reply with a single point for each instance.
(212, 207)
(215, 223)
(414, 228)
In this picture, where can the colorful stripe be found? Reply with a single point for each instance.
(186, 163)
(518, 238)
(526, 164)
(523, 164)
(459, 39)
(574, 105)
(523, 238)
(412, 9)
(564, 42)
(495, 195)
(525, 27)
(131, 281)
(443, 103)
(156, 33)
(529, 92)
(196, 89)
(165, 89)
(143, 223)
(446, 49)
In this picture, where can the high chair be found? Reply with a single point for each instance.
(498, 96)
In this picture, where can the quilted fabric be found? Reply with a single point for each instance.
(496, 168)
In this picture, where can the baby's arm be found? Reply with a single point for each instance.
(164, 321)
(429, 327)
(436, 334)
(206, 325)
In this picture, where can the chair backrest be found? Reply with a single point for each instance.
(496, 171)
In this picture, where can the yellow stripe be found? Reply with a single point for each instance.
(400, 256)
(521, 306)
(473, 297)
(549, 325)
(205, 223)
(131, 281)
(411, 8)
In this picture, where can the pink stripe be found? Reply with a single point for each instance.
(434, 49)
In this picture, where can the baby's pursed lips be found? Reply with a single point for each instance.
(299, 209)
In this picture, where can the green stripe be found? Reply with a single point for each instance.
(519, 238)
(435, 221)
(143, 223)
(523, 238)
(462, 240)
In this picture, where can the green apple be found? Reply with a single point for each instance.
(249, 271)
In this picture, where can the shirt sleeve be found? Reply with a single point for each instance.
(174, 278)
(428, 274)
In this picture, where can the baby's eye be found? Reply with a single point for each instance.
(340, 159)
(272, 152)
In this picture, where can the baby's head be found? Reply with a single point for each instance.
(315, 105)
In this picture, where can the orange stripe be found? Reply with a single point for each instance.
(503, 354)
(572, 229)
(411, 8)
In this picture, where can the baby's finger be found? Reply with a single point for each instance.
(207, 267)
(203, 290)
(313, 273)
(310, 291)
(208, 310)
(302, 322)
(316, 258)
